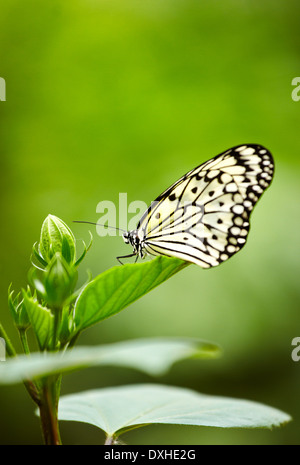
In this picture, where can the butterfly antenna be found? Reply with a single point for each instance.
(99, 224)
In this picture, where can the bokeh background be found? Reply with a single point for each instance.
(112, 96)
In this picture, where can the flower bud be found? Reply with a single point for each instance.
(59, 281)
(56, 237)
(18, 311)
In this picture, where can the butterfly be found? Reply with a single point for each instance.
(203, 217)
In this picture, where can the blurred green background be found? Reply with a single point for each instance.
(108, 96)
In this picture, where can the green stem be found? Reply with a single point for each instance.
(30, 386)
(57, 319)
(33, 391)
(111, 440)
(23, 337)
(73, 340)
(48, 406)
(9, 347)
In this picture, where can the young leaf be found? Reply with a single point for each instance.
(18, 310)
(119, 409)
(119, 286)
(152, 356)
(41, 319)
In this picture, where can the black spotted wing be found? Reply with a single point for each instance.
(204, 216)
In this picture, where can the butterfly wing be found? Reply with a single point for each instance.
(204, 216)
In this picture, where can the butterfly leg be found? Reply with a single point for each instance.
(125, 256)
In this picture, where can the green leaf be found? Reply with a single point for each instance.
(41, 319)
(119, 286)
(37, 255)
(119, 409)
(152, 356)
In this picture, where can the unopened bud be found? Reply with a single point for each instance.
(59, 281)
(56, 237)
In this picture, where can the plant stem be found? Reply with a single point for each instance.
(30, 386)
(73, 340)
(23, 337)
(48, 410)
(57, 319)
(9, 347)
(33, 391)
(109, 441)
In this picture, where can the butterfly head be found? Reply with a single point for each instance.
(132, 238)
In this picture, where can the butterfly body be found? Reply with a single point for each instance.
(204, 217)
(132, 238)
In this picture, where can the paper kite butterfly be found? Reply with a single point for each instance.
(203, 217)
